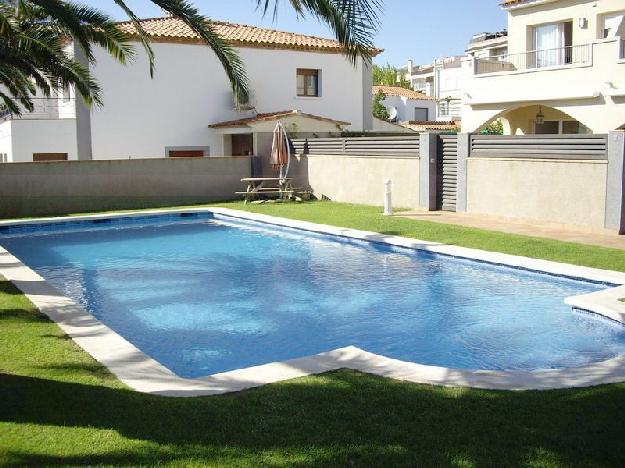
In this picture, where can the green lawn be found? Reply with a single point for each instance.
(59, 406)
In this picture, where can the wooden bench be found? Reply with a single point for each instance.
(257, 186)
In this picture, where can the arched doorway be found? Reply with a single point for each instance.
(538, 119)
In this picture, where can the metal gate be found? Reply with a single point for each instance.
(447, 172)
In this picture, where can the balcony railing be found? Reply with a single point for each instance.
(43, 108)
(534, 59)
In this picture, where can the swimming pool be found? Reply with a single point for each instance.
(203, 294)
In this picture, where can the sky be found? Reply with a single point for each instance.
(418, 29)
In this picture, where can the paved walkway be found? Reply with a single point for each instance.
(601, 238)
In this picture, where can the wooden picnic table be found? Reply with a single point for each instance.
(256, 186)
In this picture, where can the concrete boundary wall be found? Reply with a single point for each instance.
(572, 180)
(359, 179)
(569, 192)
(31, 189)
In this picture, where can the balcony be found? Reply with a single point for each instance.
(44, 109)
(535, 59)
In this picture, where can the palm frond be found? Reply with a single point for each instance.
(63, 15)
(354, 22)
(100, 29)
(143, 36)
(226, 54)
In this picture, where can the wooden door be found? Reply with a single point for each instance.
(242, 145)
(39, 157)
(186, 153)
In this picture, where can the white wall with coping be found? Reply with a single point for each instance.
(359, 179)
(570, 192)
(142, 116)
(21, 138)
(144, 374)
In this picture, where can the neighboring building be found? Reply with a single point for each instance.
(441, 80)
(488, 44)
(564, 71)
(405, 104)
(303, 79)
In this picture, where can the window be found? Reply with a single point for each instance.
(499, 52)
(4, 157)
(614, 25)
(548, 127)
(560, 127)
(421, 114)
(43, 157)
(552, 44)
(308, 82)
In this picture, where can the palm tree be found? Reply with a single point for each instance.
(33, 54)
(353, 22)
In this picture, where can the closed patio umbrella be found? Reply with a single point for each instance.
(280, 151)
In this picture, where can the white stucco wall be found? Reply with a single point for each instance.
(521, 20)
(406, 107)
(143, 116)
(42, 136)
(6, 145)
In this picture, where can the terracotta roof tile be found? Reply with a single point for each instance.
(422, 126)
(399, 91)
(272, 116)
(173, 29)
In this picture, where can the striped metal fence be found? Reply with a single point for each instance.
(540, 146)
(366, 146)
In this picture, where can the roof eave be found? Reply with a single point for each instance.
(520, 4)
(250, 44)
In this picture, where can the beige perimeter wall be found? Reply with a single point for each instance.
(29, 189)
(559, 191)
(359, 179)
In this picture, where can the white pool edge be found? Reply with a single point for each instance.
(144, 374)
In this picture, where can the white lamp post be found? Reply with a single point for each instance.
(388, 204)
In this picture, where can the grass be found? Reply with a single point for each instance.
(59, 406)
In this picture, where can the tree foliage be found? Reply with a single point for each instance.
(33, 55)
(493, 128)
(388, 75)
(379, 110)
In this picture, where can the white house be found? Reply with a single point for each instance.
(441, 80)
(187, 109)
(405, 104)
(564, 71)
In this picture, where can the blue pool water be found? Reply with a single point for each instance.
(203, 295)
